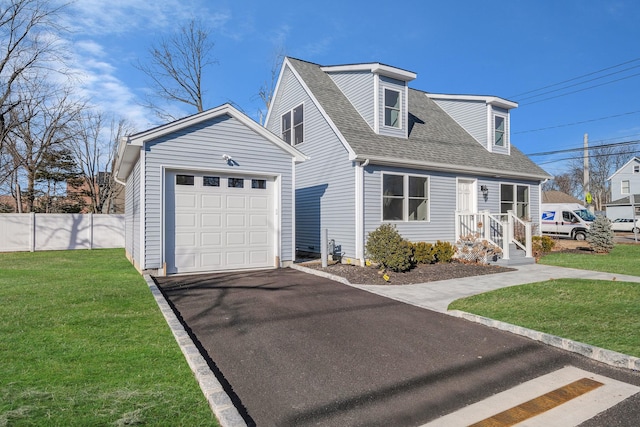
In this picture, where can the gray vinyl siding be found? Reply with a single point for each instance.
(442, 205)
(325, 184)
(201, 146)
(388, 83)
(132, 216)
(471, 115)
(358, 88)
(625, 174)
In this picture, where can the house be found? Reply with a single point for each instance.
(625, 191)
(437, 166)
(555, 196)
(209, 192)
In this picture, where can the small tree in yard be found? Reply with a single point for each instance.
(386, 247)
(600, 235)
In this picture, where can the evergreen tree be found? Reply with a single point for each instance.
(600, 235)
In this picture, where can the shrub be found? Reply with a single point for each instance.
(600, 236)
(444, 251)
(473, 248)
(424, 253)
(386, 247)
(542, 245)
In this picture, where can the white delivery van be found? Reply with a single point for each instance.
(570, 220)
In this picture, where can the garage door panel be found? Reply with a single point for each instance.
(258, 220)
(259, 202)
(215, 228)
(186, 240)
(236, 239)
(211, 220)
(186, 200)
(236, 220)
(211, 260)
(258, 237)
(210, 201)
(236, 259)
(211, 239)
(258, 257)
(186, 261)
(236, 201)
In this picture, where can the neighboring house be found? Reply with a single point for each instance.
(381, 152)
(209, 192)
(625, 182)
(555, 196)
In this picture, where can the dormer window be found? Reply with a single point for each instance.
(499, 130)
(293, 126)
(392, 103)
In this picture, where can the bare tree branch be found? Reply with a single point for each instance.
(175, 69)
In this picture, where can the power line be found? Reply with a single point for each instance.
(579, 83)
(574, 78)
(577, 123)
(590, 156)
(571, 150)
(580, 90)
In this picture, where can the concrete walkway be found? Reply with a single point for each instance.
(438, 295)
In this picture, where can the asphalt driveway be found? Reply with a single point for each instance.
(294, 349)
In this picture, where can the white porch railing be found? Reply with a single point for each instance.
(498, 229)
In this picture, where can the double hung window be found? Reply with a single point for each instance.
(293, 126)
(392, 110)
(405, 198)
(515, 198)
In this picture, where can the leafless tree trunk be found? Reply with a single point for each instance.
(95, 152)
(43, 122)
(26, 44)
(175, 69)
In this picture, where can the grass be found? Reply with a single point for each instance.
(84, 343)
(623, 259)
(601, 313)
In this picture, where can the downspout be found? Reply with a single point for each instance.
(360, 211)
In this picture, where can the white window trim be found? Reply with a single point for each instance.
(622, 189)
(292, 130)
(636, 168)
(384, 108)
(505, 117)
(514, 207)
(405, 197)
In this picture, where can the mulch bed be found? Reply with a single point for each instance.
(419, 274)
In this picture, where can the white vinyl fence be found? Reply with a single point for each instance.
(45, 232)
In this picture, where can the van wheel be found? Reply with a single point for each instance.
(580, 235)
(636, 230)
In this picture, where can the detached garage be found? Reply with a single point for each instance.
(210, 192)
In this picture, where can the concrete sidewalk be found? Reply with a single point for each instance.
(438, 295)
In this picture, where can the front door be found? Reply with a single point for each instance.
(466, 195)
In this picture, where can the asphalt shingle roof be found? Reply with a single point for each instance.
(435, 139)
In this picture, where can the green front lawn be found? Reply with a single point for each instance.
(601, 313)
(623, 259)
(84, 343)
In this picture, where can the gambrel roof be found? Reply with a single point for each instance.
(436, 141)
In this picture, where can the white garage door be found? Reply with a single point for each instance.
(218, 222)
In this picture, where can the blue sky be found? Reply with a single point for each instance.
(501, 48)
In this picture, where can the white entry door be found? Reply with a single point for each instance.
(466, 195)
(217, 222)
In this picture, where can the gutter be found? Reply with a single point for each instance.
(448, 168)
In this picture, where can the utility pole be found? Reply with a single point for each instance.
(587, 194)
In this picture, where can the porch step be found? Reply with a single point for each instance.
(516, 257)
